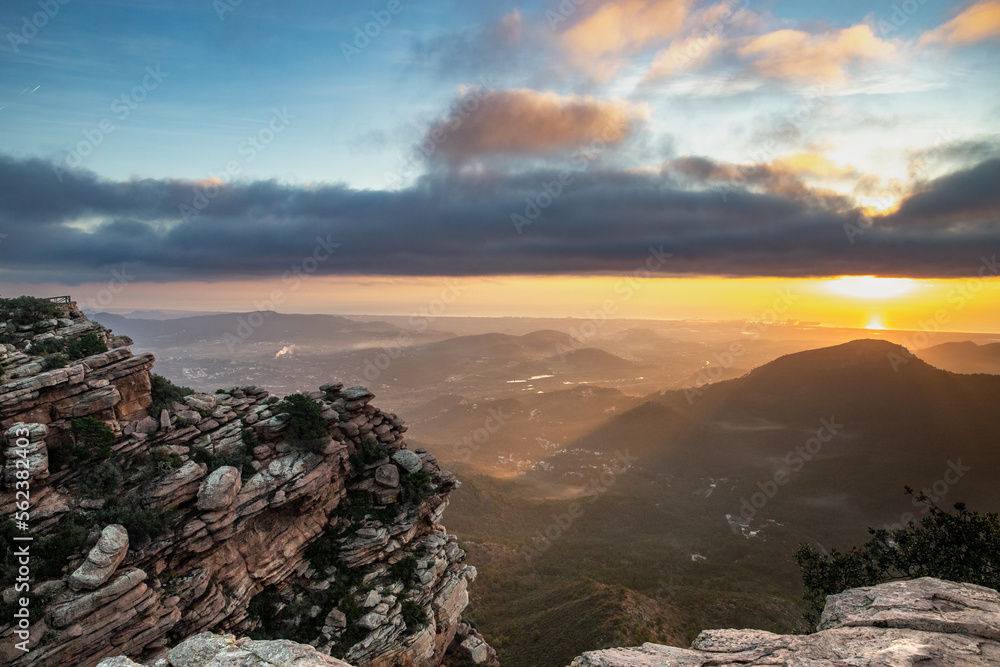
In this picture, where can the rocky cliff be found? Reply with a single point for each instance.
(231, 512)
(924, 621)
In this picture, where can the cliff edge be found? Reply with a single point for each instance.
(146, 521)
(919, 622)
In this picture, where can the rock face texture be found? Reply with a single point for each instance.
(221, 512)
(920, 622)
(210, 650)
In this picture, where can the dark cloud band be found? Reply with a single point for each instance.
(599, 222)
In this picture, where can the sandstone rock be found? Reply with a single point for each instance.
(387, 475)
(102, 560)
(408, 460)
(228, 540)
(147, 425)
(477, 648)
(924, 621)
(26, 450)
(356, 394)
(201, 401)
(209, 650)
(372, 620)
(336, 619)
(927, 604)
(331, 387)
(219, 489)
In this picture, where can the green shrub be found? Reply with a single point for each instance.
(414, 615)
(164, 392)
(250, 439)
(56, 360)
(416, 487)
(369, 452)
(101, 480)
(85, 346)
(962, 546)
(240, 460)
(48, 346)
(28, 310)
(94, 437)
(139, 519)
(306, 427)
(68, 538)
(166, 461)
(403, 570)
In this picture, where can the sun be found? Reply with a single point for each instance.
(875, 322)
(871, 287)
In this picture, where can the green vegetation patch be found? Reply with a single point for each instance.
(23, 310)
(306, 427)
(164, 392)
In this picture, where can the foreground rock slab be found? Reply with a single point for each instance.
(211, 650)
(920, 622)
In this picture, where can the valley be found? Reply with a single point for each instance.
(651, 480)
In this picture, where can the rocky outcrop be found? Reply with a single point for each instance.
(112, 386)
(227, 513)
(210, 650)
(924, 621)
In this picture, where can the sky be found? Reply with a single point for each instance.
(655, 158)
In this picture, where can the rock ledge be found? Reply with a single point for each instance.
(923, 621)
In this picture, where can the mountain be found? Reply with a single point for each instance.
(964, 357)
(876, 424)
(258, 326)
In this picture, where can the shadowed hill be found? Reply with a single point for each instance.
(964, 357)
(882, 424)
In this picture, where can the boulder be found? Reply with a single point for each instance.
(409, 461)
(147, 425)
(102, 560)
(219, 489)
(357, 394)
(387, 475)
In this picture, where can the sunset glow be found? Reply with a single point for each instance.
(870, 287)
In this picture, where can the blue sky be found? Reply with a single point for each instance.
(227, 67)
(218, 140)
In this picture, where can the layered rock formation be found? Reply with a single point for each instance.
(221, 512)
(924, 621)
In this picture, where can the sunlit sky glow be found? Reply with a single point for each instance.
(208, 150)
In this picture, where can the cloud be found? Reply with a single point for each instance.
(491, 49)
(600, 41)
(794, 55)
(526, 122)
(763, 222)
(966, 199)
(979, 22)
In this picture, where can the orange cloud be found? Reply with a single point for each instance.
(599, 41)
(687, 55)
(814, 164)
(978, 22)
(795, 55)
(529, 122)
